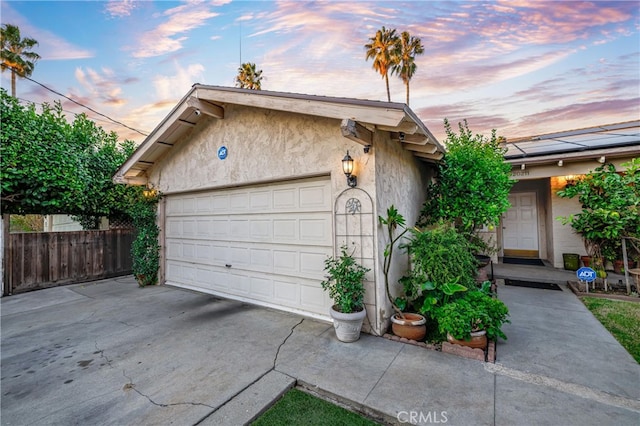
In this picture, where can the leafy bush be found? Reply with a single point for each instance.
(145, 249)
(441, 265)
(610, 208)
(473, 311)
(472, 184)
(345, 282)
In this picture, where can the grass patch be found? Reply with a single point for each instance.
(621, 318)
(300, 408)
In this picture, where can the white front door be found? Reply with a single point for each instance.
(520, 226)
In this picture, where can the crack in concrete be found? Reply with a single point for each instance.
(273, 368)
(275, 359)
(102, 355)
(131, 386)
(566, 387)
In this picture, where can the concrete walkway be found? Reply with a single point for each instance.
(109, 352)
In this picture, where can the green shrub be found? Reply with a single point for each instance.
(473, 311)
(345, 282)
(145, 249)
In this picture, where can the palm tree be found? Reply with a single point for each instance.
(16, 55)
(406, 50)
(382, 49)
(248, 77)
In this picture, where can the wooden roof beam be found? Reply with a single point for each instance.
(356, 132)
(207, 108)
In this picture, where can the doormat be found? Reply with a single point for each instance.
(531, 284)
(521, 261)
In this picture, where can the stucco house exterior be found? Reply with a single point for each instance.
(543, 164)
(255, 197)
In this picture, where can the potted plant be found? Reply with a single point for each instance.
(609, 201)
(473, 318)
(345, 285)
(408, 325)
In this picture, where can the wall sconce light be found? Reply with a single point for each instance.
(560, 163)
(149, 192)
(347, 168)
(601, 160)
(523, 166)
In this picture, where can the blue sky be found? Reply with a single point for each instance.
(523, 68)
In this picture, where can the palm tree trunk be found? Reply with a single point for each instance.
(13, 83)
(407, 84)
(386, 80)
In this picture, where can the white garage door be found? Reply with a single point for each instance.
(262, 244)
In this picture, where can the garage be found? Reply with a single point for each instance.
(265, 244)
(258, 188)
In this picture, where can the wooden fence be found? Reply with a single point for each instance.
(48, 259)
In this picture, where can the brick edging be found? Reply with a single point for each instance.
(487, 355)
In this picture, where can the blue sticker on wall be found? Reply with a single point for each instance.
(222, 152)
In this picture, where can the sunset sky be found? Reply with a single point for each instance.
(521, 67)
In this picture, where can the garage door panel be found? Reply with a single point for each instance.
(285, 199)
(315, 230)
(314, 197)
(261, 230)
(260, 200)
(285, 229)
(261, 288)
(312, 264)
(238, 202)
(274, 237)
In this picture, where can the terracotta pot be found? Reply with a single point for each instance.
(618, 266)
(347, 326)
(478, 340)
(586, 260)
(411, 327)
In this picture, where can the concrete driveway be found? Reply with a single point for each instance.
(108, 352)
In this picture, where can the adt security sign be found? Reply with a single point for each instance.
(222, 152)
(586, 274)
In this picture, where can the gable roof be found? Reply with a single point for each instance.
(598, 143)
(359, 118)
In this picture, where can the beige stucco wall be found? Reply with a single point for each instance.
(401, 180)
(565, 240)
(266, 145)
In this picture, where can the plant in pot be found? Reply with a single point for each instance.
(471, 187)
(473, 318)
(442, 268)
(345, 285)
(609, 200)
(408, 325)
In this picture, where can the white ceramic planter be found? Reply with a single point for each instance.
(347, 326)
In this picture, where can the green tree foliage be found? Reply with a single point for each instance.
(472, 185)
(407, 48)
(610, 208)
(145, 249)
(395, 54)
(248, 77)
(51, 166)
(16, 54)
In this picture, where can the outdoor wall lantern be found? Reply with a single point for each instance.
(347, 168)
(149, 192)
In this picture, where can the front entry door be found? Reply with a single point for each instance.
(520, 226)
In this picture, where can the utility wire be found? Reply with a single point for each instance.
(78, 103)
(27, 101)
